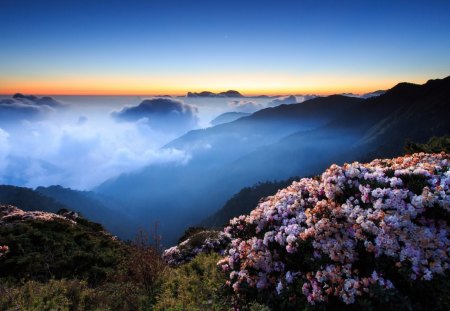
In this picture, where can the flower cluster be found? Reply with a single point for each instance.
(200, 242)
(329, 234)
(3, 250)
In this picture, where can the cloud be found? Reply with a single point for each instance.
(82, 120)
(38, 101)
(161, 114)
(250, 106)
(287, 100)
(4, 150)
(62, 151)
(245, 106)
(21, 107)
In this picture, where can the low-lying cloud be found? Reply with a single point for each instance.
(161, 114)
(248, 106)
(287, 100)
(79, 143)
(82, 146)
(77, 155)
(251, 106)
(4, 150)
(37, 101)
(26, 107)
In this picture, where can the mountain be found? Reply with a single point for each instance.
(244, 201)
(55, 198)
(28, 199)
(99, 208)
(44, 245)
(63, 261)
(228, 117)
(365, 95)
(373, 94)
(230, 93)
(277, 143)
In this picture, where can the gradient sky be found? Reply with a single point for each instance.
(256, 47)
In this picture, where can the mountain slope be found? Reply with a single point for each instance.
(228, 117)
(277, 143)
(98, 208)
(55, 198)
(45, 245)
(244, 201)
(28, 199)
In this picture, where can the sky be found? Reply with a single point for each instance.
(150, 47)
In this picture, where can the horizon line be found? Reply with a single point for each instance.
(319, 90)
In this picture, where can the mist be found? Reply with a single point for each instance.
(159, 159)
(82, 141)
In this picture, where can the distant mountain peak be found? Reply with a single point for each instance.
(229, 93)
(229, 117)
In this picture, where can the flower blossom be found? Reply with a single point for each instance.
(316, 232)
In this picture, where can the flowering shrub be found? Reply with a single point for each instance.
(3, 250)
(357, 229)
(200, 242)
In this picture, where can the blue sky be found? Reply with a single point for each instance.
(153, 46)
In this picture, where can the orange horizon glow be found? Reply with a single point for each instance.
(248, 85)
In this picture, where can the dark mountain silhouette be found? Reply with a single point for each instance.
(244, 202)
(28, 199)
(373, 94)
(230, 93)
(277, 143)
(55, 198)
(99, 208)
(228, 117)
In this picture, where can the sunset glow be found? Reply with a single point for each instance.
(166, 47)
(180, 85)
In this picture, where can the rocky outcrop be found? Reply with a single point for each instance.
(11, 214)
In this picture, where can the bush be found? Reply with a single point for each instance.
(73, 295)
(193, 286)
(200, 242)
(55, 295)
(363, 236)
(42, 250)
(434, 145)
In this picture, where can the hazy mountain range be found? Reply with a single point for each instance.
(110, 213)
(228, 117)
(230, 93)
(277, 143)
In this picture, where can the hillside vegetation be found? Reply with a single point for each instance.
(369, 236)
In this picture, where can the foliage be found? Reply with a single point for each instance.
(72, 295)
(363, 236)
(54, 295)
(143, 267)
(189, 232)
(42, 250)
(244, 201)
(193, 286)
(433, 145)
(206, 241)
(115, 276)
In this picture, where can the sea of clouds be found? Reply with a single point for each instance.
(81, 141)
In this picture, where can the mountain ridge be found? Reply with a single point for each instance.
(280, 142)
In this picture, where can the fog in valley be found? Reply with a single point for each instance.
(177, 160)
(81, 141)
